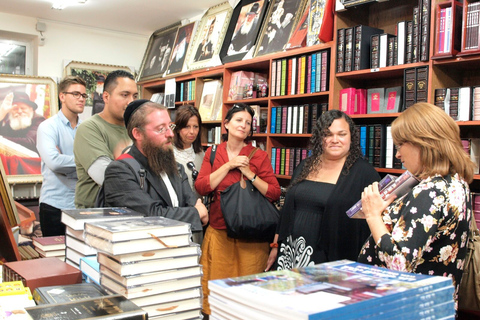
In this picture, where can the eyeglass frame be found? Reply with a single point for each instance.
(163, 130)
(77, 94)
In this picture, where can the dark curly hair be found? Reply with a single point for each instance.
(182, 116)
(314, 162)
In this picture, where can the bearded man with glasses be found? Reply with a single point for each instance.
(159, 186)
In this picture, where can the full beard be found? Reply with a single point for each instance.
(21, 122)
(160, 159)
(247, 26)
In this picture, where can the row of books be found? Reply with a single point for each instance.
(369, 101)
(185, 91)
(472, 25)
(461, 103)
(296, 119)
(300, 74)
(53, 246)
(444, 41)
(333, 290)
(285, 160)
(214, 135)
(247, 85)
(377, 145)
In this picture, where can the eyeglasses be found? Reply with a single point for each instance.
(397, 147)
(77, 94)
(163, 130)
(191, 166)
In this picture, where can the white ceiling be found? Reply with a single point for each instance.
(140, 17)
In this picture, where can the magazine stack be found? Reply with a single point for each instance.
(334, 290)
(152, 262)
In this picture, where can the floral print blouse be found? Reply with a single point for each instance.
(428, 230)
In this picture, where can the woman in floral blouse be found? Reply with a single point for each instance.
(425, 231)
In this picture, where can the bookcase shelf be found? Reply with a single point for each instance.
(448, 71)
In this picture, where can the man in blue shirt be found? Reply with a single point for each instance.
(55, 145)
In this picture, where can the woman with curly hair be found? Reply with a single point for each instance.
(314, 227)
(426, 230)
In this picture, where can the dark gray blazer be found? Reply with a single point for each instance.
(122, 189)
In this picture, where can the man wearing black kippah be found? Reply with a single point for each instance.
(153, 183)
(102, 138)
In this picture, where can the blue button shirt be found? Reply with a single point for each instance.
(55, 146)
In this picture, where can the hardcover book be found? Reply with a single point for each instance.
(375, 100)
(211, 100)
(340, 50)
(150, 288)
(393, 100)
(67, 293)
(168, 297)
(49, 243)
(76, 218)
(346, 288)
(363, 34)
(138, 267)
(90, 268)
(347, 100)
(108, 307)
(400, 186)
(174, 307)
(151, 277)
(139, 228)
(41, 272)
(123, 247)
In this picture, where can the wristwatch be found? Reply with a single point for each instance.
(253, 179)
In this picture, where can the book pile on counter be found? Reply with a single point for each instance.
(75, 220)
(334, 290)
(152, 262)
(53, 246)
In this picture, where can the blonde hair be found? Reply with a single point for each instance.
(438, 137)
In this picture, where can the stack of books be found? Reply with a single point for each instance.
(14, 298)
(334, 290)
(53, 246)
(74, 221)
(152, 262)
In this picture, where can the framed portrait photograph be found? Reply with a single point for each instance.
(180, 49)
(242, 32)
(205, 48)
(157, 56)
(281, 18)
(94, 75)
(25, 102)
(298, 38)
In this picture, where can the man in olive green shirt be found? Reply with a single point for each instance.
(103, 137)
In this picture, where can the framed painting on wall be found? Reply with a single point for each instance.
(180, 49)
(242, 32)
(159, 49)
(205, 49)
(282, 16)
(25, 102)
(94, 75)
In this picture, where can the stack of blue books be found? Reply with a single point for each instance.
(335, 290)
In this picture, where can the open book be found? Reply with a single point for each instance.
(390, 184)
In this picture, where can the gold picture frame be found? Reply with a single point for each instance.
(204, 50)
(94, 75)
(18, 152)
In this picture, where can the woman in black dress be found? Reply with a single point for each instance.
(314, 227)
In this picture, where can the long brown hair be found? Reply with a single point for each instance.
(183, 114)
(438, 137)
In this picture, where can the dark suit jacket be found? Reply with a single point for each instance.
(122, 189)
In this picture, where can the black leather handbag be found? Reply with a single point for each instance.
(247, 213)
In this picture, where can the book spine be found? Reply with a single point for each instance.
(374, 51)
(349, 32)
(309, 74)
(278, 123)
(314, 73)
(289, 76)
(325, 71)
(284, 119)
(440, 97)
(273, 123)
(319, 72)
(422, 84)
(274, 158)
(410, 85)
(282, 161)
(293, 86)
(283, 85)
(453, 102)
(425, 29)
(340, 50)
(273, 77)
(390, 51)
(279, 77)
(357, 51)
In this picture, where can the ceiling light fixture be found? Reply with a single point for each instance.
(62, 4)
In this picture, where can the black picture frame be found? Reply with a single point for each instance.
(282, 17)
(157, 56)
(236, 44)
(182, 42)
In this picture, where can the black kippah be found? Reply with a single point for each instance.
(131, 108)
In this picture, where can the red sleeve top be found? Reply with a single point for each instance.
(260, 165)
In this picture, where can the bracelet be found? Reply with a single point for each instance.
(253, 179)
(274, 245)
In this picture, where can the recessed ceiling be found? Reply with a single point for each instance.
(141, 17)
